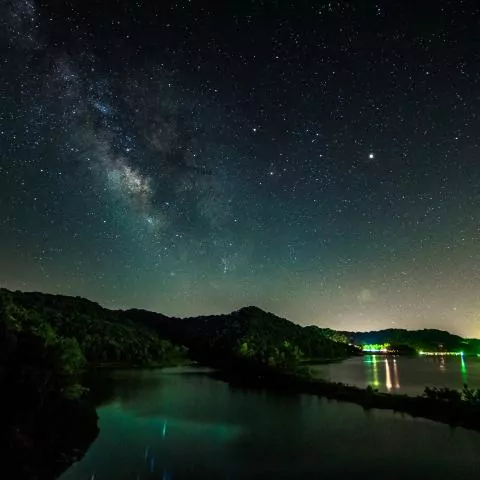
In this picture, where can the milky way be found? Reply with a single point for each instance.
(320, 160)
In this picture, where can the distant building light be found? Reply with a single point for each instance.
(441, 354)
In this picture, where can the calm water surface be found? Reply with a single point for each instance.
(408, 375)
(181, 424)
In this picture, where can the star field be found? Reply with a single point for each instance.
(317, 159)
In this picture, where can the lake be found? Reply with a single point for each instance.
(408, 375)
(182, 424)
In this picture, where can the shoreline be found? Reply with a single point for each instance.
(149, 366)
(324, 361)
(453, 413)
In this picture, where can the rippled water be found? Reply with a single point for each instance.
(182, 424)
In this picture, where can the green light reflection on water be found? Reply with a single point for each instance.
(463, 368)
(371, 367)
(376, 383)
(388, 378)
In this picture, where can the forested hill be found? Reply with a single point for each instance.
(249, 334)
(83, 331)
(427, 340)
(80, 330)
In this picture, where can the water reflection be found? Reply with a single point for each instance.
(463, 369)
(396, 378)
(402, 374)
(371, 370)
(387, 377)
(442, 364)
(388, 381)
(169, 423)
(190, 426)
(150, 462)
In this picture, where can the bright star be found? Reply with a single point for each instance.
(371, 156)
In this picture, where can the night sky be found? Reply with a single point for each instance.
(317, 159)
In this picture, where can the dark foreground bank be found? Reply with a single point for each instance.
(42, 441)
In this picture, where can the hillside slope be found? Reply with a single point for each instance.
(248, 334)
(88, 332)
(94, 332)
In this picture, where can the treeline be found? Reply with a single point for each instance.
(247, 336)
(46, 342)
(73, 331)
(44, 426)
(431, 340)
